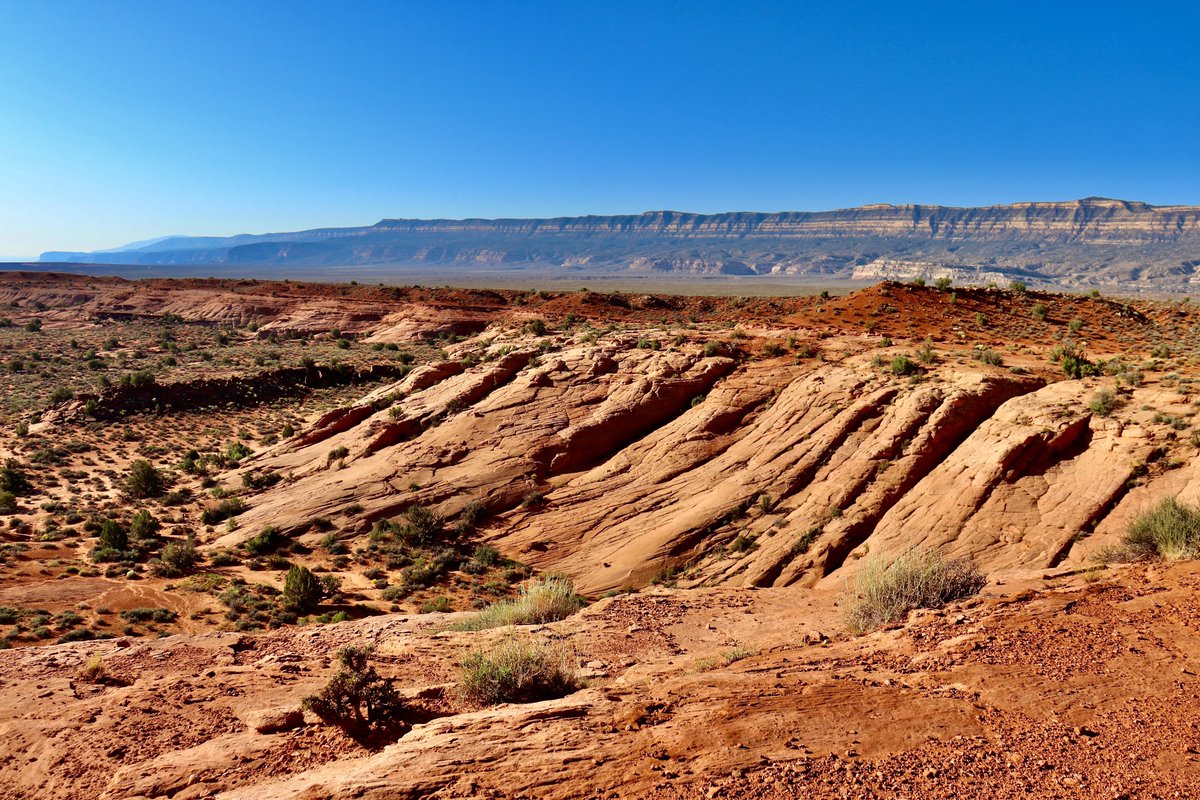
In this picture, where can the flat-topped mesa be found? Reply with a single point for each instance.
(1090, 242)
(1092, 219)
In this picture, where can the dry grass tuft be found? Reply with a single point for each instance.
(545, 600)
(885, 591)
(517, 671)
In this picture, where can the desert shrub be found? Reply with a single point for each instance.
(541, 601)
(469, 517)
(112, 536)
(236, 451)
(536, 326)
(804, 542)
(428, 568)
(144, 480)
(885, 591)
(423, 524)
(943, 283)
(438, 605)
(903, 365)
(149, 615)
(1039, 311)
(926, 354)
(986, 355)
(8, 502)
(357, 697)
(1017, 286)
(259, 480)
(516, 671)
(223, 558)
(486, 556)
(302, 590)
(229, 507)
(1071, 358)
(12, 479)
(725, 658)
(178, 558)
(265, 541)
(142, 377)
(1169, 530)
(1103, 403)
(144, 525)
(772, 349)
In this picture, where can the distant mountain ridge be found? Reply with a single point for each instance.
(1093, 239)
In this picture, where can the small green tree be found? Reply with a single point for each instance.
(12, 478)
(302, 590)
(357, 697)
(144, 480)
(423, 524)
(112, 535)
(144, 525)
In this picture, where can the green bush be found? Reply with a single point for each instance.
(8, 503)
(265, 541)
(229, 507)
(903, 365)
(986, 355)
(302, 590)
(546, 600)
(516, 671)
(144, 480)
(144, 526)
(423, 524)
(885, 591)
(112, 536)
(12, 479)
(438, 605)
(178, 558)
(357, 697)
(149, 615)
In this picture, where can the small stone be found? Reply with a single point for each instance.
(274, 720)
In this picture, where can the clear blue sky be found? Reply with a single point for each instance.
(127, 120)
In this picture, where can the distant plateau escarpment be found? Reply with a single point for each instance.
(1094, 242)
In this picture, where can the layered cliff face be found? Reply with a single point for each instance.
(1103, 241)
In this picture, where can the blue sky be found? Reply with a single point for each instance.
(128, 120)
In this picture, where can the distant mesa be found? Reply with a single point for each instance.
(1095, 241)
